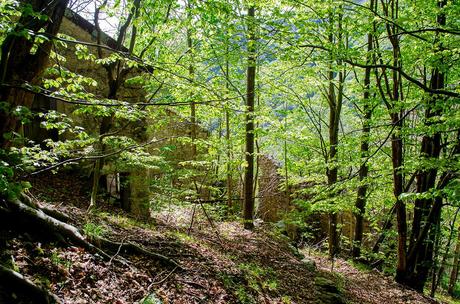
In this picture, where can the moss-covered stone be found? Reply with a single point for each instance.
(327, 291)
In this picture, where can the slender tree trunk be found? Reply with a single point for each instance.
(227, 139)
(229, 162)
(397, 159)
(386, 226)
(427, 211)
(286, 169)
(125, 191)
(360, 203)
(248, 213)
(115, 76)
(437, 279)
(455, 266)
(391, 10)
(104, 128)
(335, 99)
(191, 72)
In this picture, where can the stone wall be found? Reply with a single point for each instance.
(137, 190)
(274, 203)
(273, 200)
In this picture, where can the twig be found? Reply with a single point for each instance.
(212, 225)
(162, 280)
(193, 284)
(191, 222)
(118, 251)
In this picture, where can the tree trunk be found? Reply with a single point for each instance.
(427, 211)
(229, 162)
(125, 191)
(397, 156)
(191, 73)
(18, 65)
(335, 108)
(386, 226)
(115, 76)
(400, 206)
(227, 138)
(437, 276)
(360, 203)
(248, 212)
(455, 266)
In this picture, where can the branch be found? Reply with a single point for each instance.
(95, 157)
(406, 76)
(390, 67)
(47, 93)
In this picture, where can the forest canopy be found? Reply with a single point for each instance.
(337, 121)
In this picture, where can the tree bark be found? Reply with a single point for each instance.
(191, 72)
(115, 76)
(228, 145)
(17, 283)
(125, 191)
(393, 93)
(248, 212)
(427, 211)
(18, 65)
(455, 266)
(335, 99)
(361, 199)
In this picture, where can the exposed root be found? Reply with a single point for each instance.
(37, 219)
(129, 247)
(31, 201)
(31, 218)
(40, 222)
(19, 285)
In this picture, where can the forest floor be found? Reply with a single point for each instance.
(220, 262)
(362, 285)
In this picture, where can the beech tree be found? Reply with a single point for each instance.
(250, 97)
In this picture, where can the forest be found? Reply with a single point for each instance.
(229, 151)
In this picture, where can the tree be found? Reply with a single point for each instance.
(21, 64)
(360, 203)
(116, 75)
(335, 101)
(248, 213)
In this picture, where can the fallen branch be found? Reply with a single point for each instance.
(162, 280)
(116, 253)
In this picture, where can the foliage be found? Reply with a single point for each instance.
(94, 230)
(185, 62)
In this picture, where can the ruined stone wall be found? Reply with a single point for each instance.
(129, 93)
(273, 201)
(173, 124)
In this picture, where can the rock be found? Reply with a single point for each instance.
(151, 299)
(311, 265)
(327, 292)
(295, 251)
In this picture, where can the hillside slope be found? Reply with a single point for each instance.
(217, 262)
